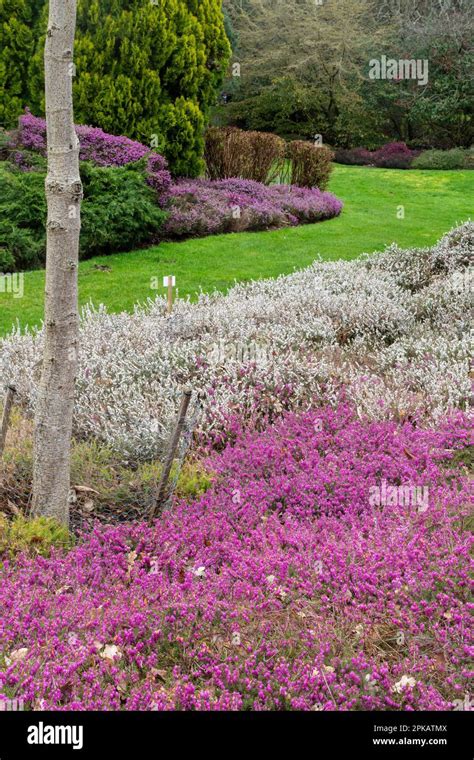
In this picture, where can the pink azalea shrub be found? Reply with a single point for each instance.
(286, 586)
(205, 207)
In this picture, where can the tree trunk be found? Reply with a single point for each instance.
(55, 402)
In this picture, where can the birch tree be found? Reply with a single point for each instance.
(55, 401)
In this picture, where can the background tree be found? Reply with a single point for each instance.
(441, 31)
(304, 70)
(55, 402)
(302, 65)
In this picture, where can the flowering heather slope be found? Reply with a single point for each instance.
(286, 586)
(391, 331)
(207, 207)
(96, 145)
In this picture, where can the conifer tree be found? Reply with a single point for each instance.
(149, 69)
(18, 37)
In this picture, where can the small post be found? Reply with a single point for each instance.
(7, 408)
(173, 445)
(169, 282)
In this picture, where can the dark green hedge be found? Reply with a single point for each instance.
(119, 212)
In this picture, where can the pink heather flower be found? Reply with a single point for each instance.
(353, 577)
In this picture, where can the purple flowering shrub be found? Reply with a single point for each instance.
(204, 207)
(353, 156)
(298, 581)
(31, 133)
(96, 145)
(394, 155)
(101, 148)
(158, 176)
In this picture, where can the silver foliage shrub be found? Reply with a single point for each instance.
(391, 331)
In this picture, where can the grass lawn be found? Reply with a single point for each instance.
(433, 202)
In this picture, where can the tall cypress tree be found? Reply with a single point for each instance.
(18, 27)
(147, 69)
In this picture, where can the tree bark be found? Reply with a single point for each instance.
(55, 401)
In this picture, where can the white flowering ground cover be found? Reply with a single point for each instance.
(389, 332)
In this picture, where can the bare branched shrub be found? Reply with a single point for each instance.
(232, 152)
(224, 153)
(266, 154)
(310, 164)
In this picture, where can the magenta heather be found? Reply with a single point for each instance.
(99, 147)
(206, 207)
(283, 587)
(394, 155)
(96, 145)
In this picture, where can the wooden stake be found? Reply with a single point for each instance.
(173, 445)
(169, 281)
(7, 408)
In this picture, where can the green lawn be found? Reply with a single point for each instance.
(433, 202)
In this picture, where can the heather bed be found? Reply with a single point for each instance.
(391, 332)
(131, 199)
(369, 223)
(286, 586)
(326, 564)
(397, 155)
(209, 207)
